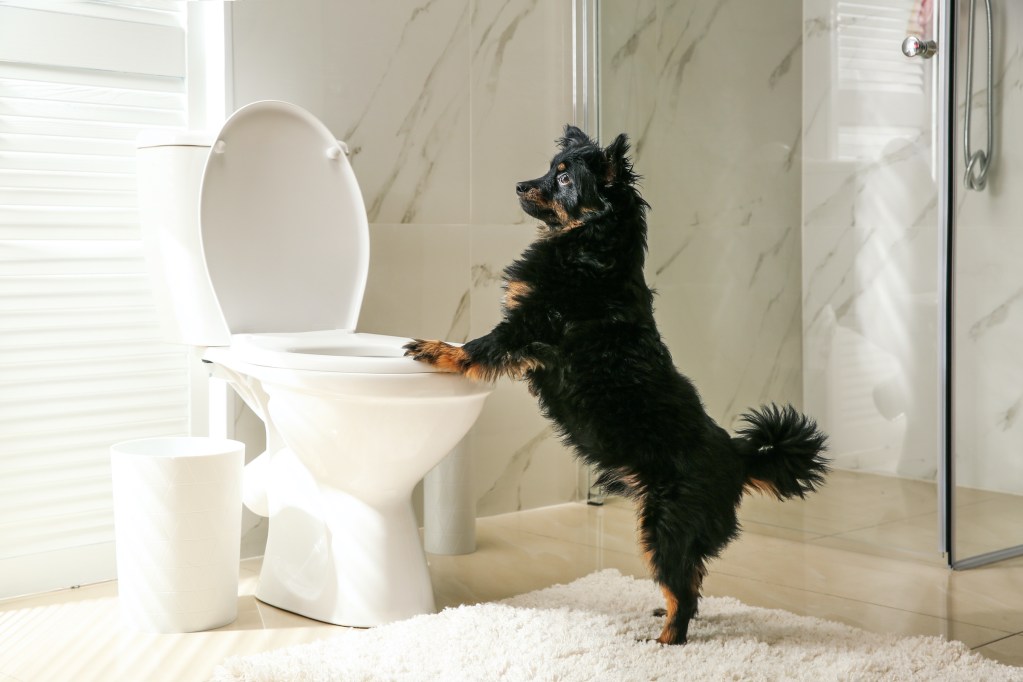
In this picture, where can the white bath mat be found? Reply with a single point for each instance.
(589, 630)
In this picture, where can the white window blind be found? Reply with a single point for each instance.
(870, 34)
(82, 365)
(881, 95)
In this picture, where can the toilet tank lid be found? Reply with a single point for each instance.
(175, 138)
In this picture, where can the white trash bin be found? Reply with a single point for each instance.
(177, 528)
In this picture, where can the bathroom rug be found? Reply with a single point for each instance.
(598, 628)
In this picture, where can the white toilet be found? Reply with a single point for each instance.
(265, 267)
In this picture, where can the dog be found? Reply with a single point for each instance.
(578, 326)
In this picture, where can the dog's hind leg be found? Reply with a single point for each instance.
(677, 565)
(681, 589)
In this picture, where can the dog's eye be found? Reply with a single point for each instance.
(564, 179)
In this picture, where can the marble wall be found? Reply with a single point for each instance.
(794, 246)
(445, 104)
(709, 92)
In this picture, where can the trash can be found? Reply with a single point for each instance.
(177, 528)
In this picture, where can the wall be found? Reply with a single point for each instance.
(710, 94)
(445, 104)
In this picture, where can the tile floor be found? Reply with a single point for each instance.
(794, 556)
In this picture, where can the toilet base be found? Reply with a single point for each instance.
(346, 561)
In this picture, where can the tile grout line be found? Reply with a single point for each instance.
(994, 641)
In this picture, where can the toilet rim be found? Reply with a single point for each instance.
(329, 351)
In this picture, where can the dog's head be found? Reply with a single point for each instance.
(581, 182)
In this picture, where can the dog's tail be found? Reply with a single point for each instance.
(783, 452)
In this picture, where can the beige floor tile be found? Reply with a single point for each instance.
(861, 614)
(498, 567)
(1008, 650)
(77, 634)
(988, 596)
(915, 537)
(848, 501)
(609, 526)
(989, 525)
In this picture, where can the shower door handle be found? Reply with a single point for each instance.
(915, 46)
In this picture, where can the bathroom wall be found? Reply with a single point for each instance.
(710, 94)
(445, 104)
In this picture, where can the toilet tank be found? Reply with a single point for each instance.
(169, 171)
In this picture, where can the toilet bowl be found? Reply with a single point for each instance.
(257, 244)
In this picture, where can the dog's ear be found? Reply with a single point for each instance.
(574, 137)
(619, 167)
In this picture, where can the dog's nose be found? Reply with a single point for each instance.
(521, 188)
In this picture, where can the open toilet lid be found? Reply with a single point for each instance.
(284, 228)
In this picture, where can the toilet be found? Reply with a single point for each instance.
(257, 243)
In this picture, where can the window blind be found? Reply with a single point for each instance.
(869, 35)
(880, 95)
(82, 365)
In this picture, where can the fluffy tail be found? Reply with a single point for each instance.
(783, 450)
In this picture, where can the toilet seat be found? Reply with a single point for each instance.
(328, 351)
(285, 240)
(284, 231)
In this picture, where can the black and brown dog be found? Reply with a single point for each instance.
(579, 327)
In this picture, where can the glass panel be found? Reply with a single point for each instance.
(988, 313)
(871, 252)
(788, 152)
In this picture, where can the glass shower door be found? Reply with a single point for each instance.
(985, 485)
(874, 167)
(806, 176)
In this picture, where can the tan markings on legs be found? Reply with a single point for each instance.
(481, 373)
(668, 634)
(648, 557)
(443, 356)
(448, 358)
(512, 369)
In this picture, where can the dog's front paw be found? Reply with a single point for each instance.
(443, 356)
(419, 349)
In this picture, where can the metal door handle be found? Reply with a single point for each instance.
(915, 46)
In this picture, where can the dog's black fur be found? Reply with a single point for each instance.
(579, 327)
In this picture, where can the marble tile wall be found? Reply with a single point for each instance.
(709, 92)
(828, 301)
(445, 104)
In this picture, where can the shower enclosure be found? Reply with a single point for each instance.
(824, 233)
